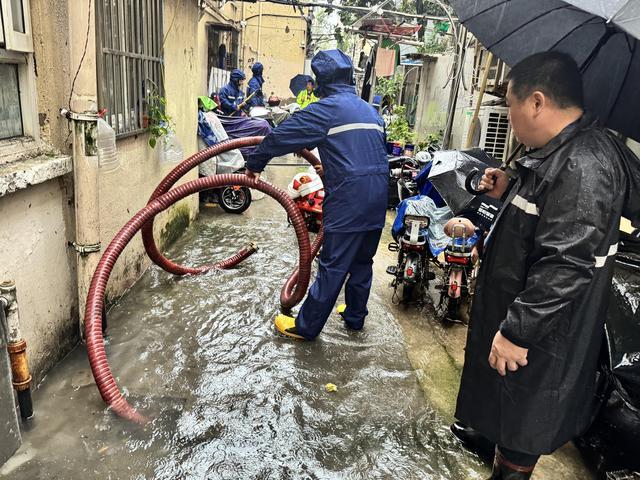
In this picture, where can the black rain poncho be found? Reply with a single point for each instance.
(544, 283)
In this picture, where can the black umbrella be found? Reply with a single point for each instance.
(298, 83)
(602, 36)
(449, 173)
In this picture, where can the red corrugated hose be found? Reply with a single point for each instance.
(288, 299)
(93, 313)
(170, 180)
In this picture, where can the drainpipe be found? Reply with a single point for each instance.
(83, 115)
(85, 183)
(17, 347)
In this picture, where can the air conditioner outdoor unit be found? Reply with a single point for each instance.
(495, 129)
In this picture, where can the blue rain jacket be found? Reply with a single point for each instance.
(231, 95)
(350, 137)
(255, 85)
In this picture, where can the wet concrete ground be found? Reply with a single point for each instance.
(233, 400)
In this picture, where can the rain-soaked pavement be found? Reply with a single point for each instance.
(231, 399)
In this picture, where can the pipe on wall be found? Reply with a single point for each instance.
(17, 348)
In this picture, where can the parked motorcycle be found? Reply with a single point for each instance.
(232, 199)
(411, 273)
(402, 179)
(460, 257)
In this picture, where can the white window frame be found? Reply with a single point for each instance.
(16, 41)
(18, 50)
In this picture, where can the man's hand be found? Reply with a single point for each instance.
(505, 354)
(319, 170)
(255, 176)
(495, 181)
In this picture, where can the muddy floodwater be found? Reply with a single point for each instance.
(229, 397)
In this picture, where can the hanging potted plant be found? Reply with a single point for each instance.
(156, 119)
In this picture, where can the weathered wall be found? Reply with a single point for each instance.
(51, 35)
(34, 253)
(39, 221)
(125, 191)
(431, 114)
(278, 42)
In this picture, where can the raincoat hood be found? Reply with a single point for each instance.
(334, 72)
(257, 69)
(236, 76)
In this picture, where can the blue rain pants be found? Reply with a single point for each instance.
(342, 255)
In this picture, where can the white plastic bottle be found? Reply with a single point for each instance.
(107, 153)
(171, 151)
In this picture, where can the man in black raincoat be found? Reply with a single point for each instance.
(541, 295)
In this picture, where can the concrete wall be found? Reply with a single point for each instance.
(431, 114)
(39, 221)
(278, 42)
(125, 191)
(51, 35)
(34, 253)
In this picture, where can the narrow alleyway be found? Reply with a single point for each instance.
(231, 399)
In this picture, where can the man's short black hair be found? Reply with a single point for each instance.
(555, 74)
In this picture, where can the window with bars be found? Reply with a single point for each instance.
(129, 61)
(17, 83)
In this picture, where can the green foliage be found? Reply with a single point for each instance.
(160, 123)
(432, 139)
(389, 87)
(434, 43)
(398, 129)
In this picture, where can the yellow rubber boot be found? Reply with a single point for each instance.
(287, 326)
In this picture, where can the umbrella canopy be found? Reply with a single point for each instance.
(299, 83)
(602, 37)
(449, 173)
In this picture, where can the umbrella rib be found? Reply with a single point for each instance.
(624, 80)
(573, 30)
(489, 47)
(485, 10)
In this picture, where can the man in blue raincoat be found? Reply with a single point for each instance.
(255, 87)
(231, 95)
(350, 137)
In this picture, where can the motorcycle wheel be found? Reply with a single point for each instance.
(453, 309)
(235, 200)
(407, 293)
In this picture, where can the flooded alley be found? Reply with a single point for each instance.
(230, 398)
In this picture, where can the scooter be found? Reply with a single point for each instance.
(458, 272)
(411, 271)
(402, 173)
(232, 199)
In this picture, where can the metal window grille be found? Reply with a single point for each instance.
(130, 61)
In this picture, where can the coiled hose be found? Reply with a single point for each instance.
(95, 299)
(289, 296)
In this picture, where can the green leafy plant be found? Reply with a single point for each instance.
(432, 139)
(389, 87)
(398, 129)
(433, 44)
(160, 124)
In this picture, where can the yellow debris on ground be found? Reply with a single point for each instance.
(330, 387)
